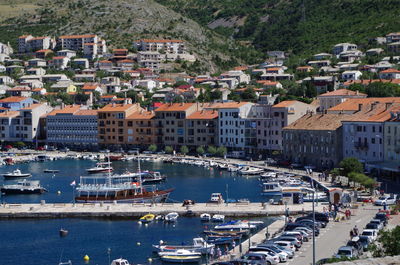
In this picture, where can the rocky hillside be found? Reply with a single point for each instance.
(302, 26)
(122, 21)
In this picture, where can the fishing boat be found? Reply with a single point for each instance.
(147, 218)
(180, 256)
(51, 171)
(225, 240)
(205, 217)
(16, 174)
(23, 187)
(271, 188)
(100, 168)
(199, 245)
(235, 226)
(63, 232)
(120, 261)
(218, 218)
(171, 217)
(251, 171)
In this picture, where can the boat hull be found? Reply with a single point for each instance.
(146, 197)
(181, 259)
(22, 191)
(10, 176)
(96, 171)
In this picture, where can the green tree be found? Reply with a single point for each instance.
(184, 149)
(350, 164)
(211, 150)
(387, 243)
(221, 151)
(249, 95)
(152, 148)
(19, 144)
(168, 149)
(200, 150)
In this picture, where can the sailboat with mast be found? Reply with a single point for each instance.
(126, 188)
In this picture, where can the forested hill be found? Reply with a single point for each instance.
(303, 26)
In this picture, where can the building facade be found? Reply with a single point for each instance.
(72, 126)
(202, 128)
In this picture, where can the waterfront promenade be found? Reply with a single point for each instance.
(69, 210)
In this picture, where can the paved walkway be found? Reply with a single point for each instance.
(335, 235)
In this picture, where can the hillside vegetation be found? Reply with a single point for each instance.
(302, 26)
(122, 21)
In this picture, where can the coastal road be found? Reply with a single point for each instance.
(335, 235)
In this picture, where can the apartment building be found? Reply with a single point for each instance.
(28, 43)
(343, 47)
(15, 103)
(140, 129)
(171, 122)
(274, 118)
(336, 97)
(166, 46)
(90, 44)
(236, 124)
(72, 126)
(202, 128)
(391, 142)
(149, 59)
(6, 121)
(111, 123)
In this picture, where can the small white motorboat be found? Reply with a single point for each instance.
(180, 256)
(100, 168)
(218, 218)
(120, 261)
(171, 217)
(16, 174)
(251, 171)
(205, 217)
(199, 245)
(23, 187)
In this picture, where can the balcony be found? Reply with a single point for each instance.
(361, 145)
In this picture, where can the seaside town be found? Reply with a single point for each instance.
(287, 161)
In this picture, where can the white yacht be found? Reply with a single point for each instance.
(171, 217)
(16, 174)
(271, 188)
(251, 171)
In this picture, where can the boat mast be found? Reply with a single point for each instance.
(109, 170)
(140, 174)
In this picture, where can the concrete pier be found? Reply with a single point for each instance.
(110, 210)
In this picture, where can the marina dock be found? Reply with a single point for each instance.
(111, 210)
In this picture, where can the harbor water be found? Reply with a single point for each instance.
(32, 242)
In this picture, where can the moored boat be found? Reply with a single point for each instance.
(171, 217)
(120, 261)
(16, 174)
(51, 171)
(100, 168)
(251, 171)
(218, 218)
(147, 218)
(205, 217)
(180, 256)
(271, 188)
(23, 187)
(199, 245)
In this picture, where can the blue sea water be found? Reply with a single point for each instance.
(37, 242)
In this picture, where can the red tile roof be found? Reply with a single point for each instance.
(12, 99)
(391, 70)
(342, 92)
(141, 115)
(174, 107)
(160, 41)
(227, 105)
(285, 104)
(78, 36)
(203, 115)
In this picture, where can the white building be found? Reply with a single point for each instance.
(59, 62)
(66, 53)
(6, 80)
(351, 75)
(167, 46)
(146, 83)
(336, 97)
(5, 49)
(343, 47)
(149, 59)
(241, 77)
(90, 44)
(237, 131)
(28, 43)
(81, 62)
(72, 126)
(390, 74)
(37, 62)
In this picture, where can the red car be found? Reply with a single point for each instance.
(40, 148)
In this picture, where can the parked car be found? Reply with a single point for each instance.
(278, 248)
(297, 234)
(379, 222)
(64, 149)
(370, 226)
(382, 216)
(346, 251)
(370, 233)
(321, 217)
(283, 256)
(355, 243)
(364, 241)
(292, 226)
(261, 257)
(294, 240)
(269, 255)
(386, 199)
(310, 222)
(286, 244)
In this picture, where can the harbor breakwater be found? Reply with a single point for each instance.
(110, 210)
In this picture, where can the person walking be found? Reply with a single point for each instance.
(351, 234)
(355, 230)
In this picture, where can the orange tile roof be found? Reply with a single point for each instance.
(9, 113)
(37, 89)
(241, 68)
(285, 104)
(174, 107)
(120, 50)
(108, 96)
(19, 89)
(44, 50)
(141, 115)
(86, 112)
(227, 105)
(12, 99)
(126, 61)
(352, 104)
(319, 122)
(391, 70)
(268, 82)
(105, 61)
(58, 57)
(32, 106)
(38, 38)
(203, 115)
(69, 109)
(342, 92)
(117, 107)
(90, 86)
(273, 69)
(78, 36)
(90, 44)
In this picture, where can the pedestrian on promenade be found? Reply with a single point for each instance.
(351, 234)
(212, 253)
(233, 244)
(219, 253)
(355, 230)
(226, 250)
